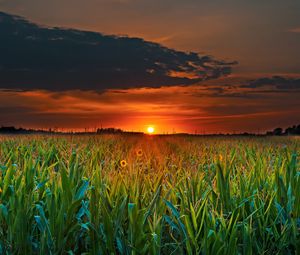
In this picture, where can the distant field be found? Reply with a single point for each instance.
(123, 194)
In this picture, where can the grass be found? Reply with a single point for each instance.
(149, 195)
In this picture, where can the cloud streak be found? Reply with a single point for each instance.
(295, 30)
(276, 82)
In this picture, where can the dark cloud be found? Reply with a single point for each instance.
(35, 57)
(261, 87)
(12, 110)
(277, 82)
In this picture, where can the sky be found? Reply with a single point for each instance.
(183, 66)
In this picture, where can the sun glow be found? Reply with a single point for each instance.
(150, 130)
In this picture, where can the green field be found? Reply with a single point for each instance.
(121, 194)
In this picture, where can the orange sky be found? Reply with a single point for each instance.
(180, 109)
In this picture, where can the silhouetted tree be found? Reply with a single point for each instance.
(277, 131)
(295, 130)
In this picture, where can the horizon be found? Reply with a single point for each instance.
(77, 70)
(288, 130)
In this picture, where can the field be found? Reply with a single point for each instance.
(119, 194)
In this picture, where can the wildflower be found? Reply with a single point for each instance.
(221, 157)
(123, 163)
(139, 153)
(0, 190)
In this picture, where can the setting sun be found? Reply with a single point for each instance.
(150, 130)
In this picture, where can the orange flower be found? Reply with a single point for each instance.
(220, 157)
(123, 163)
(139, 153)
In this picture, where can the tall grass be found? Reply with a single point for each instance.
(149, 195)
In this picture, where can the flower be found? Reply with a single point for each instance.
(123, 163)
(220, 157)
(139, 153)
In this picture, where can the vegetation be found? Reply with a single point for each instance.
(116, 194)
(294, 130)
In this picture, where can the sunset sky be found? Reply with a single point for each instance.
(178, 65)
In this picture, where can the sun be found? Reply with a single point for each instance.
(150, 130)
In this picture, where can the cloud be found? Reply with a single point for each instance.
(295, 30)
(35, 57)
(276, 82)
